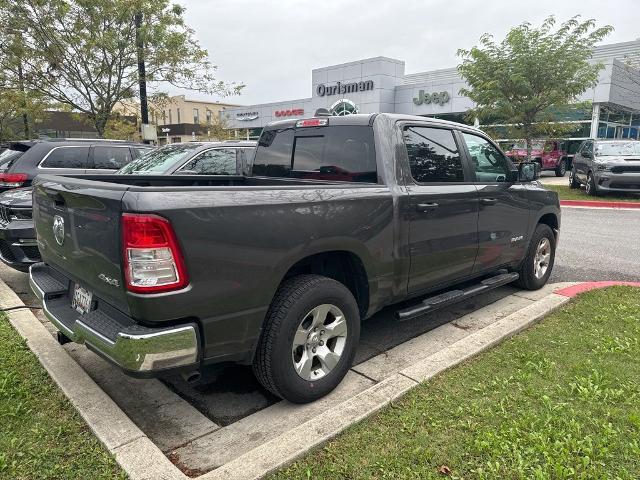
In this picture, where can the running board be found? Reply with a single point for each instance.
(453, 296)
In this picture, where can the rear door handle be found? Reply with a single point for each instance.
(426, 207)
(489, 201)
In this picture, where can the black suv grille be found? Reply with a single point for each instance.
(626, 169)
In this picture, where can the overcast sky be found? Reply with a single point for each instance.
(272, 46)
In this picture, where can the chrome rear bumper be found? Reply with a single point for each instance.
(136, 349)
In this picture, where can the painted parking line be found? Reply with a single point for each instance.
(574, 290)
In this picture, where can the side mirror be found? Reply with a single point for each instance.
(528, 171)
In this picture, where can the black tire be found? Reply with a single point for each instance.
(592, 188)
(528, 279)
(273, 364)
(573, 180)
(561, 169)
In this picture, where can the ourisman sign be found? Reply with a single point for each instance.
(342, 88)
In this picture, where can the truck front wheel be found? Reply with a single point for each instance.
(538, 263)
(309, 338)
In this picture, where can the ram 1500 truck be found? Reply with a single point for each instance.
(341, 217)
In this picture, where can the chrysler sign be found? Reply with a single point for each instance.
(247, 116)
(439, 98)
(342, 88)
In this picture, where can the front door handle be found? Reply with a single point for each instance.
(489, 201)
(426, 207)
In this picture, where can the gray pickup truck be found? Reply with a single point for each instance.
(341, 217)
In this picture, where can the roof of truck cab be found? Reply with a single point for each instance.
(367, 119)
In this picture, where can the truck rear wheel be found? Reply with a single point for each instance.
(538, 263)
(309, 339)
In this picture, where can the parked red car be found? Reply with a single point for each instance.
(550, 154)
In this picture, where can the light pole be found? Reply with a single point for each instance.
(142, 79)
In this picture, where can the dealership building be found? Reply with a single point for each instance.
(381, 84)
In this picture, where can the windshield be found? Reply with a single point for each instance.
(607, 149)
(8, 157)
(522, 145)
(161, 160)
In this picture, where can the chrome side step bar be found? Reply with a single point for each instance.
(453, 296)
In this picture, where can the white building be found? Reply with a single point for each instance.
(380, 84)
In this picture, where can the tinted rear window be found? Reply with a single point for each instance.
(340, 153)
(66, 157)
(8, 158)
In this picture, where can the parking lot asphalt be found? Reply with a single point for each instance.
(598, 244)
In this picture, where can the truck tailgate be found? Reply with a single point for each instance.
(78, 229)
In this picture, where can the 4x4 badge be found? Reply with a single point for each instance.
(58, 229)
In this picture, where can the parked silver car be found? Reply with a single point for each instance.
(605, 166)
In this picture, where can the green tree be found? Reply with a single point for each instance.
(533, 70)
(20, 106)
(82, 53)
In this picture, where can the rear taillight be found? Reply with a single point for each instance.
(153, 261)
(12, 179)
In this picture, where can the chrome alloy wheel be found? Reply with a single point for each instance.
(542, 258)
(319, 342)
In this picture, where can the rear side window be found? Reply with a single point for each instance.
(433, 155)
(66, 157)
(344, 153)
(212, 162)
(110, 158)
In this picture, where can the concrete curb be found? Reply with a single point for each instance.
(599, 204)
(287, 448)
(132, 449)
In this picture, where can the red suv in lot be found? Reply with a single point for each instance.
(550, 154)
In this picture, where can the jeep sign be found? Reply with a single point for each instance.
(341, 88)
(436, 97)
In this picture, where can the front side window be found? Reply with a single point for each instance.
(66, 157)
(489, 164)
(212, 162)
(433, 155)
(110, 158)
(196, 116)
(345, 154)
(178, 113)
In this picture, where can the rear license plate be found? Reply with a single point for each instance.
(82, 299)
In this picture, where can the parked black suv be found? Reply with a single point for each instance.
(22, 161)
